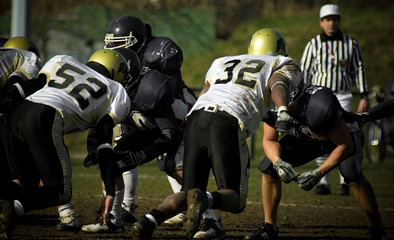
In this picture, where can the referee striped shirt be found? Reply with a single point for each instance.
(334, 62)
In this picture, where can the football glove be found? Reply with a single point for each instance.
(360, 118)
(91, 159)
(127, 160)
(308, 180)
(284, 120)
(285, 171)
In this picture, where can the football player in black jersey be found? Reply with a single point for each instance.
(319, 128)
(162, 54)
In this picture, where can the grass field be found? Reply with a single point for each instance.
(302, 215)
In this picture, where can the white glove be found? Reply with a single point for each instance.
(285, 171)
(284, 120)
(308, 180)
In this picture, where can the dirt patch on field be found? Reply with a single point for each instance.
(313, 219)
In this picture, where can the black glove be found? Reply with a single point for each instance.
(308, 180)
(127, 160)
(360, 118)
(285, 171)
(284, 120)
(91, 159)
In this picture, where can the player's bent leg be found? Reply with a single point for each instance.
(365, 197)
(130, 179)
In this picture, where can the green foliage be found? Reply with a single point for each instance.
(370, 27)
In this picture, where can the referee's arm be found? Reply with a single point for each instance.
(361, 80)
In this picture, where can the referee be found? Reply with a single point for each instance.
(333, 59)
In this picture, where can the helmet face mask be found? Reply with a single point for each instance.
(267, 41)
(112, 42)
(126, 31)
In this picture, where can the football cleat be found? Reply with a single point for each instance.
(112, 226)
(5, 218)
(143, 229)
(197, 203)
(175, 221)
(343, 190)
(211, 229)
(265, 232)
(69, 221)
(129, 215)
(322, 189)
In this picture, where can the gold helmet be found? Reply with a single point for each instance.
(267, 41)
(114, 63)
(22, 43)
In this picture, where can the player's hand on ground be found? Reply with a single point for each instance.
(91, 159)
(127, 160)
(109, 200)
(309, 179)
(100, 210)
(285, 171)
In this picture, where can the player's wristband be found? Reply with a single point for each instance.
(105, 145)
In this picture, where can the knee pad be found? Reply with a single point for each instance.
(266, 167)
(240, 209)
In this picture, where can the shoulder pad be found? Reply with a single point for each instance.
(162, 54)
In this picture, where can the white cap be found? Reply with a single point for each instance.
(329, 9)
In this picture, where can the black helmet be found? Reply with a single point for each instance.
(126, 31)
(134, 63)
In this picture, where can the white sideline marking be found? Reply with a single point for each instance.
(321, 206)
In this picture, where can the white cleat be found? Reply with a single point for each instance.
(175, 221)
(69, 221)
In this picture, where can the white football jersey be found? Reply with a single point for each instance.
(238, 86)
(82, 95)
(24, 64)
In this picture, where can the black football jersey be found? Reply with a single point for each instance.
(319, 111)
(151, 99)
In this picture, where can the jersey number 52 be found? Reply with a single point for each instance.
(76, 91)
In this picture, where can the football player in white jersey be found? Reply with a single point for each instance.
(19, 65)
(76, 97)
(229, 110)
